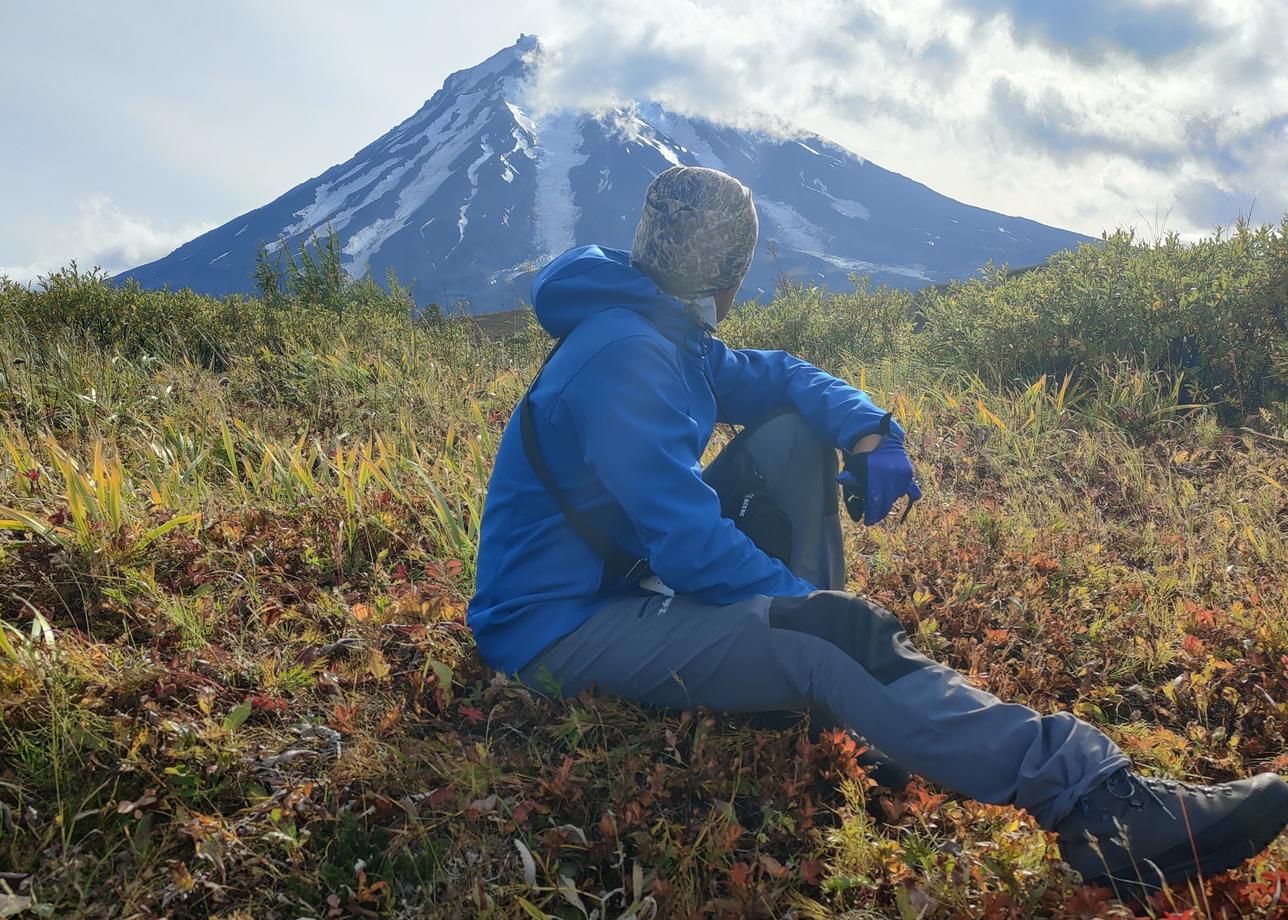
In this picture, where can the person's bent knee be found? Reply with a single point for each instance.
(782, 426)
(791, 428)
(870, 635)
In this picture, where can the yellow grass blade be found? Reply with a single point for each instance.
(990, 417)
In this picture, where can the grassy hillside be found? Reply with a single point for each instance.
(237, 537)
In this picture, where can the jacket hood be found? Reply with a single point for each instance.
(589, 279)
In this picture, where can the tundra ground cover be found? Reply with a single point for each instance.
(237, 540)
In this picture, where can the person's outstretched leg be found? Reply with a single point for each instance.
(783, 458)
(833, 651)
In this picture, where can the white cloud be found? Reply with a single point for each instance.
(1084, 121)
(106, 238)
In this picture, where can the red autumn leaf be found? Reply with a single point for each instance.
(924, 802)
(773, 866)
(1193, 645)
(389, 720)
(342, 717)
(811, 871)
(440, 796)
(740, 875)
(268, 703)
(473, 714)
(400, 572)
(1088, 901)
(996, 636)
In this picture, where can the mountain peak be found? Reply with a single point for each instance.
(471, 194)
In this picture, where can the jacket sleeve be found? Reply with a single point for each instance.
(749, 383)
(629, 408)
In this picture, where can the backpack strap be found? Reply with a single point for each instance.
(617, 562)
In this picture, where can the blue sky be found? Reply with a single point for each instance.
(134, 125)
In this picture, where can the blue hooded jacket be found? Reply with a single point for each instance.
(623, 412)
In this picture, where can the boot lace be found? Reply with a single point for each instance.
(1127, 786)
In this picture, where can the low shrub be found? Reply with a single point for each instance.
(1214, 313)
(868, 323)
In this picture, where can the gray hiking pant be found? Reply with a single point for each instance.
(828, 651)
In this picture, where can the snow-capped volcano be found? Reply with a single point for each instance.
(469, 196)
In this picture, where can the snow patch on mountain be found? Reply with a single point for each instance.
(472, 174)
(649, 138)
(433, 171)
(363, 241)
(560, 140)
(329, 197)
(795, 231)
(524, 122)
(860, 267)
(438, 129)
(681, 130)
(844, 206)
(852, 209)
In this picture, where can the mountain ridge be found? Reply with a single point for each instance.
(469, 195)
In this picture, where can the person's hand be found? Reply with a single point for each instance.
(873, 481)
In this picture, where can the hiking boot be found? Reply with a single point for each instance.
(1134, 833)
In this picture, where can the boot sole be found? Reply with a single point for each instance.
(1266, 812)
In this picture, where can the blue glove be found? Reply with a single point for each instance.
(872, 482)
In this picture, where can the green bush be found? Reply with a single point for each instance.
(1212, 313)
(127, 317)
(310, 302)
(866, 324)
(1210, 317)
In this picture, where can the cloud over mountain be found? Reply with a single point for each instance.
(1103, 112)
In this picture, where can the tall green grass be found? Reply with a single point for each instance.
(237, 535)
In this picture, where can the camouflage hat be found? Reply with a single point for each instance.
(697, 232)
